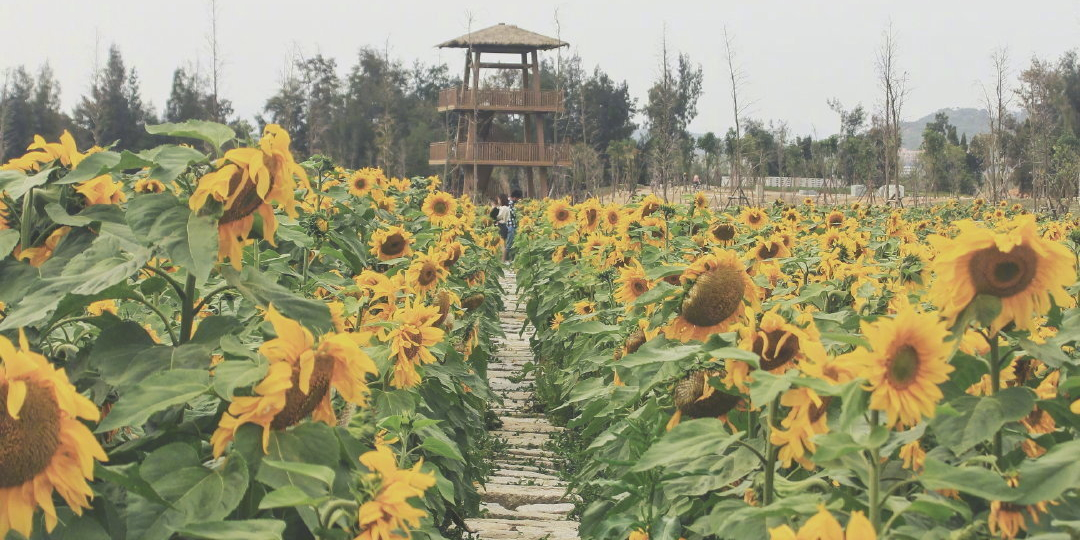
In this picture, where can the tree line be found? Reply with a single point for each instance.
(381, 111)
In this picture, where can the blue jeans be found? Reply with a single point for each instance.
(510, 243)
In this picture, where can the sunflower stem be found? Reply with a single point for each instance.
(187, 313)
(875, 480)
(995, 384)
(771, 453)
(26, 219)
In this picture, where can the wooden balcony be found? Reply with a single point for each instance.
(500, 153)
(500, 99)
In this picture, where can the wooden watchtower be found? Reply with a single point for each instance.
(476, 148)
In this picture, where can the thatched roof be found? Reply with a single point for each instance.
(504, 38)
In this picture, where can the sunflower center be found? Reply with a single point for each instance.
(245, 201)
(639, 287)
(768, 250)
(562, 215)
(298, 404)
(776, 348)
(723, 232)
(393, 245)
(649, 208)
(27, 445)
(635, 341)
(903, 367)
(428, 274)
(715, 297)
(1001, 274)
(590, 216)
(439, 207)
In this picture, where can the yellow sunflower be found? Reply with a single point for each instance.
(40, 152)
(650, 204)
(44, 447)
(440, 207)
(298, 381)
(834, 219)
(722, 232)
(612, 219)
(823, 526)
(248, 181)
(366, 180)
(559, 214)
(149, 185)
(632, 282)
(753, 217)
(101, 190)
(716, 300)
(585, 307)
(588, 216)
(701, 201)
(389, 513)
(780, 344)
(37, 256)
(1017, 266)
(426, 272)
(907, 360)
(391, 243)
(772, 247)
(413, 333)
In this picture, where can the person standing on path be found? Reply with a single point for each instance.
(511, 225)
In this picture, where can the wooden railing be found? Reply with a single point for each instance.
(501, 99)
(501, 153)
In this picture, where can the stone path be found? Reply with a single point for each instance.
(525, 499)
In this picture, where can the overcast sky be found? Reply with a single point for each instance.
(795, 54)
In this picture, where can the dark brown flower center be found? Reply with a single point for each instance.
(835, 220)
(298, 404)
(768, 250)
(439, 207)
(649, 208)
(723, 232)
(714, 297)
(393, 246)
(562, 214)
(613, 218)
(1001, 274)
(635, 341)
(903, 367)
(776, 348)
(246, 201)
(27, 445)
(591, 216)
(639, 287)
(428, 275)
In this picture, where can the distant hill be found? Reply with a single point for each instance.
(966, 119)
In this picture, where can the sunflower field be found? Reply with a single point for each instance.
(210, 339)
(802, 372)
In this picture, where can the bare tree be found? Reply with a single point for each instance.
(997, 104)
(738, 80)
(215, 62)
(894, 85)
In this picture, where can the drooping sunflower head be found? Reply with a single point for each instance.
(720, 288)
(44, 447)
(780, 344)
(149, 185)
(1017, 266)
(770, 248)
(650, 204)
(754, 217)
(439, 207)
(391, 243)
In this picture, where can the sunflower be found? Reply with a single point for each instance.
(389, 513)
(37, 256)
(451, 252)
(40, 152)
(722, 232)
(298, 381)
(1018, 267)
(559, 214)
(907, 360)
(440, 207)
(772, 247)
(44, 448)
(805, 420)
(101, 190)
(585, 307)
(414, 331)
(701, 201)
(834, 219)
(149, 185)
(391, 243)
(426, 272)
(612, 218)
(780, 344)
(589, 215)
(632, 282)
(823, 526)
(364, 181)
(650, 204)
(716, 299)
(755, 218)
(248, 181)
